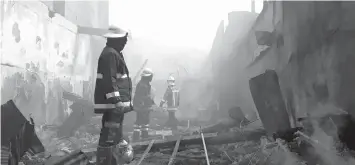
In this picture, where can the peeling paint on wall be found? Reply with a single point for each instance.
(37, 59)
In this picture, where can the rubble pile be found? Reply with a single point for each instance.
(57, 147)
(265, 151)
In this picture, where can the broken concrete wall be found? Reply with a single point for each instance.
(41, 52)
(89, 14)
(323, 52)
(315, 59)
(231, 83)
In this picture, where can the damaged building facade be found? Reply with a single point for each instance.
(43, 53)
(308, 44)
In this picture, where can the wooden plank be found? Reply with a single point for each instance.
(176, 148)
(210, 139)
(146, 152)
(172, 140)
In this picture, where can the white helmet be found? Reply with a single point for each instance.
(115, 32)
(171, 78)
(171, 81)
(147, 72)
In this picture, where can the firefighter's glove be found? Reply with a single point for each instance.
(123, 107)
(161, 104)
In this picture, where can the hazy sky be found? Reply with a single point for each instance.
(190, 23)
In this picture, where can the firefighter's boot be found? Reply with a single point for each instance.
(136, 133)
(104, 155)
(145, 131)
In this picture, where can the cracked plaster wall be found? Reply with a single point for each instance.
(42, 53)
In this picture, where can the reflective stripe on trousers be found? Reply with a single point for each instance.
(137, 128)
(145, 127)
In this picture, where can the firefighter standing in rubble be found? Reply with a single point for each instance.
(113, 99)
(143, 102)
(172, 99)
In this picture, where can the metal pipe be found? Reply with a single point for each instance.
(205, 148)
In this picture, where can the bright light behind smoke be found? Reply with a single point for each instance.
(190, 23)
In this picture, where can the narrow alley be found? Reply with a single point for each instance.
(186, 82)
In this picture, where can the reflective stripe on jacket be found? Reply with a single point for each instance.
(172, 98)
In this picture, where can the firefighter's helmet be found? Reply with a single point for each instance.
(116, 32)
(147, 72)
(171, 80)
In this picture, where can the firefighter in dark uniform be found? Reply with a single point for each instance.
(143, 102)
(172, 99)
(113, 99)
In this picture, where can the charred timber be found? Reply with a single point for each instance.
(210, 139)
(19, 136)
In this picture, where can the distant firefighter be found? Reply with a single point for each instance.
(172, 99)
(143, 102)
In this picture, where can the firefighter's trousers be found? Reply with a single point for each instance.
(141, 127)
(172, 121)
(112, 145)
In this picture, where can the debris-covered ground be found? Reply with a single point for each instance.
(237, 153)
(263, 151)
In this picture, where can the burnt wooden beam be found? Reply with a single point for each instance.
(210, 139)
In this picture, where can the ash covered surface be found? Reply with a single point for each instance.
(236, 153)
(264, 151)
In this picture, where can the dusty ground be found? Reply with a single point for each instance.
(244, 153)
(238, 153)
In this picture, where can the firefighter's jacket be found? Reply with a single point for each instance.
(172, 98)
(113, 83)
(143, 99)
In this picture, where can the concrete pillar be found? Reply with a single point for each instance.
(253, 6)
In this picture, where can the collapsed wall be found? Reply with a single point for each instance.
(310, 49)
(228, 79)
(308, 44)
(322, 53)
